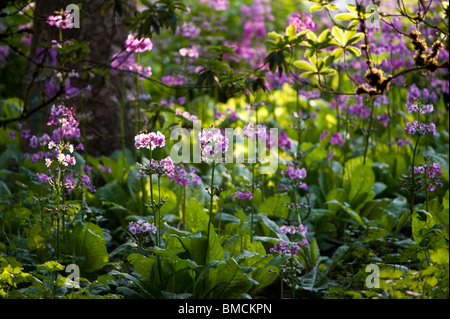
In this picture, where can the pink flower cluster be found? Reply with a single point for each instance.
(213, 145)
(141, 227)
(293, 230)
(183, 178)
(218, 5)
(302, 21)
(336, 138)
(133, 44)
(164, 166)
(255, 132)
(285, 247)
(61, 20)
(432, 173)
(417, 127)
(421, 108)
(188, 116)
(150, 141)
(420, 128)
(242, 195)
(291, 248)
(67, 128)
(124, 61)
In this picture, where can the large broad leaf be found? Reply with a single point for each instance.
(228, 281)
(351, 212)
(143, 265)
(439, 213)
(359, 185)
(89, 243)
(195, 247)
(274, 207)
(196, 217)
(425, 233)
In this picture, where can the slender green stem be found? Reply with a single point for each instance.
(413, 175)
(210, 211)
(426, 187)
(253, 206)
(183, 197)
(58, 210)
(368, 132)
(159, 211)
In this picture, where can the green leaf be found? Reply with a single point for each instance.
(356, 37)
(337, 53)
(375, 233)
(354, 50)
(196, 217)
(273, 206)
(346, 16)
(290, 30)
(143, 265)
(304, 65)
(90, 244)
(358, 184)
(352, 213)
(316, 7)
(338, 34)
(227, 281)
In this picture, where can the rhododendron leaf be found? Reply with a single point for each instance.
(316, 7)
(338, 34)
(304, 65)
(324, 36)
(354, 50)
(346, 16)
(290, 30)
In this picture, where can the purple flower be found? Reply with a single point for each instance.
(141, 226)
(150, 140)
(70, 183)
(85, 181)
(212, 144)
(11, 134)
(133, 44)
(43, 177)
(241, 195)
(302, 21)
(33, 142)
(336, 138)
(167, 166)
(25, 134)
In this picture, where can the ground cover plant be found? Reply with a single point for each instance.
(224, 149)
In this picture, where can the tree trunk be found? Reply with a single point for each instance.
(105, 34)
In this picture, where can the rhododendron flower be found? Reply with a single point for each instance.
(302, 21)
(133, 44)
(61, 20)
